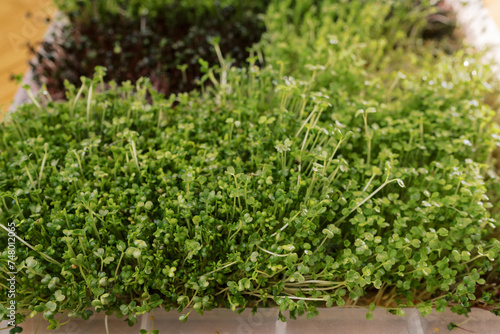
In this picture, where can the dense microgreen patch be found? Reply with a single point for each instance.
(321, 179)
(162, 40)
(180, 11)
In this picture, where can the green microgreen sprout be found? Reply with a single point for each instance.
(183, 69)
(368, 132)
(40, 175)
(32, 96)
(89, 101)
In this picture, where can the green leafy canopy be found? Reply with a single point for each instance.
(328, 184)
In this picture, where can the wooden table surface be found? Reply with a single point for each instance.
(21, 21)
(494, 8)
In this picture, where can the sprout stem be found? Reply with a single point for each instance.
(48, 258)
(365, 200)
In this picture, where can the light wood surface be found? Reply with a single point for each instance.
(494, 8)
(21, 21)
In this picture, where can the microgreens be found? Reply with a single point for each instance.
(164, 39)
(266, 188)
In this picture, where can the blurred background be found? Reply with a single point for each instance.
(23, 24)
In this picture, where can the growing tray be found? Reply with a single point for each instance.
(265, 321)
(481, 32)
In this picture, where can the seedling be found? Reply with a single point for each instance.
(368, 133)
